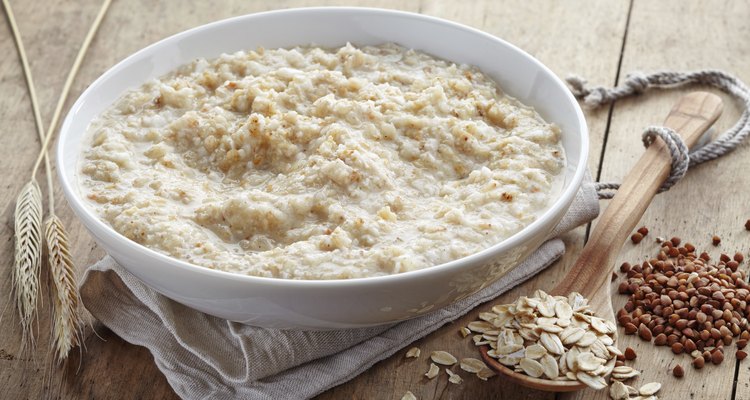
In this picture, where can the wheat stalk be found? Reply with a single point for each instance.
(67, 324)
(28, 255)
(69, 81)
(28, 215)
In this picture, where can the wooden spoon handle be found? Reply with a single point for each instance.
(690, 117)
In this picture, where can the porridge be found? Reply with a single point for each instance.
(313, 163)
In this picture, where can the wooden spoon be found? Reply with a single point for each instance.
(690, 117)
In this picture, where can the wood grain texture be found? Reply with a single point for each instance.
(711, 199)
(51, 49)
(583, 37)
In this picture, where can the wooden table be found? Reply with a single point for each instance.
(602, 41)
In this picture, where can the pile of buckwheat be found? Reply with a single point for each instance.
(687, 301)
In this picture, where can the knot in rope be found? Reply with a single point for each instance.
(677, 149)
(638, 82)
(635, 83)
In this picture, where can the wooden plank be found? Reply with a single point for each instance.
(679, 35)
(53, 31)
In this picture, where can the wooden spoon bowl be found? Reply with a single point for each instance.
(529, 381)
(590, 275)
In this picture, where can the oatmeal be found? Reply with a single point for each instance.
(313, 163)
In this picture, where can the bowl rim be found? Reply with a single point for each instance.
(87, 216)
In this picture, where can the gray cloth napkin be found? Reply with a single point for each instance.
(206, 357)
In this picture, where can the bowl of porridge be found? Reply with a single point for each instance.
(323, 168)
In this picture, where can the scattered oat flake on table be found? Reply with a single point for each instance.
(454, 378)
(649, 389)
(414, 352)
(472, 365)
(408, 396)
(443, 357)
(433, 371)
(464, 332)
(485, 373)
(624, 372)
(618, 391)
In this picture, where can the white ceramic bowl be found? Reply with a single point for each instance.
(329, 304)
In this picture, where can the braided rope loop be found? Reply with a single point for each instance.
(677, 149)
(638, 82)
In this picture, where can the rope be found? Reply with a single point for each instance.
(638, 82)
(677, 149)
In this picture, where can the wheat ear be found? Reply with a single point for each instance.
(28, 257)
(26, 279)
(67, 324)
